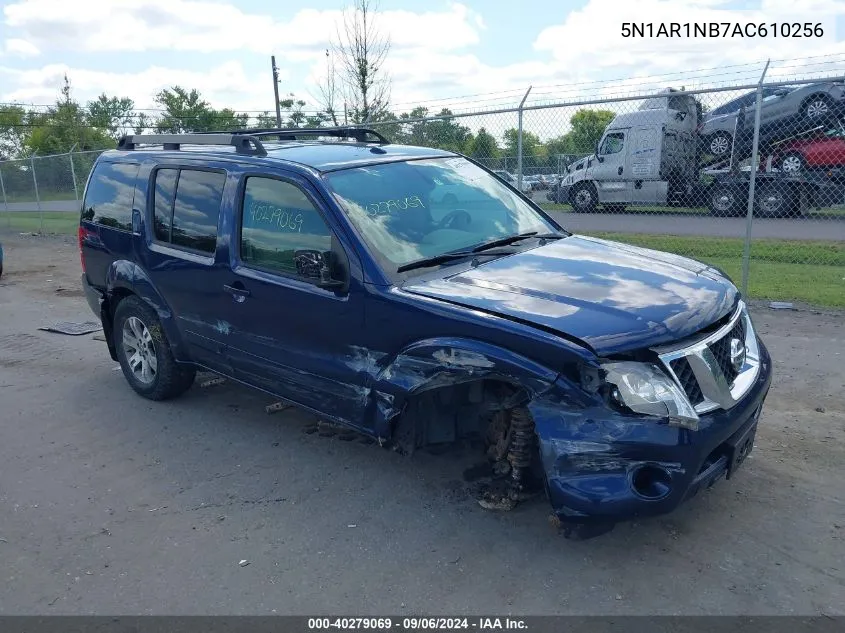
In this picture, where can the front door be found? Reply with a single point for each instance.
(608, 171)
(290, 336)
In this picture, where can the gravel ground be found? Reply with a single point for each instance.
(110, 504)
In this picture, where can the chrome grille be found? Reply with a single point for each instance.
(722, 350)
(687, 381)
(704, 370)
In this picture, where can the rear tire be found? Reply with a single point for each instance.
(583, 198)
(144, 353)
(773, 200)
(722, 202)
(793, 163)
(818, 109)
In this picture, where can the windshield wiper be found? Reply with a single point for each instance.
(444, 258)
(504, 241)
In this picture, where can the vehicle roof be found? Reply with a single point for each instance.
(317, 155)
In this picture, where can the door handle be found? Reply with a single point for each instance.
(238, 294)
(620, 170)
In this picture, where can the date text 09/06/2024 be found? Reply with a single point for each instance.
(409, 623)
(714, 30)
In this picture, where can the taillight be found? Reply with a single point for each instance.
(82, 234)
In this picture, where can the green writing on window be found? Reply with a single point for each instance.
(386, 207)
(271, 216)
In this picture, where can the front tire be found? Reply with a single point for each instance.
(583, 198)
(720, 144)
(144, 353)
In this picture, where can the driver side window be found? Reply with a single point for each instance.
(613, 143)
(277, 220)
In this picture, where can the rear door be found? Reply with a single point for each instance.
(181, 254)
(290, 336)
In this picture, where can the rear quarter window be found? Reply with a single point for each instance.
(110, 195)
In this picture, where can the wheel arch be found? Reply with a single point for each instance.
(444, 362)
(125, 278)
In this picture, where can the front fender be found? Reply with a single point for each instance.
(124, 277)
(446, 361)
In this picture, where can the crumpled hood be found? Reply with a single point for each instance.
(612, 296)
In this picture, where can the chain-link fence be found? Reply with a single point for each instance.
(749, 178)
(42, 193)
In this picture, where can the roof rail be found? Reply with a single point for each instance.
(243, 144)
(291, 134)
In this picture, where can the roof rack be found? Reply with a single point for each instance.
(291, 134)
(243, 144)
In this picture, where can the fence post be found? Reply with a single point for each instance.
(37, 198)
(519, 142)
(73, 173)
(5, 202)
(755, 149)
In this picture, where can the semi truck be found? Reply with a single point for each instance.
(655, 156)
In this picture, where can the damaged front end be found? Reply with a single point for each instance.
(638, 453)
(612, 442)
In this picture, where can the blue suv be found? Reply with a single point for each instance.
(326, 268)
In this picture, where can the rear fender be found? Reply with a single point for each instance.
(123, 278)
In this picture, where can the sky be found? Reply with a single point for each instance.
(470, 55)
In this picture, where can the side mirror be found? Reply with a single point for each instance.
(598, 156)
(782, 92)
(316, 266)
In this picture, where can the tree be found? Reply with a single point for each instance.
(484, 146)
(184, 111)
(187, 111)
(12, 130)
(361, 52)
(113, 115)
(586, 129)
(63, 126)
(329, 92)
(531, 144)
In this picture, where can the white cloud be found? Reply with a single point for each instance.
(202, 26)
(224, 85)
(433, 53)
(590, 38)
(22, 48)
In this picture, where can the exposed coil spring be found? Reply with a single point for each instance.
(523, 439)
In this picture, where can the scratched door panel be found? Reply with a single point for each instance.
(288, 335)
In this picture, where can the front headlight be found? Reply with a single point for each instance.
(645, 388)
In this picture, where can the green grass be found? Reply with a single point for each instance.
(787, 270)
(778, 269)
(31, 222)
(649, 210)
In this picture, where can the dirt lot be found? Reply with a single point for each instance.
(110, 504)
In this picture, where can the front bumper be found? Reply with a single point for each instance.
(606, 467)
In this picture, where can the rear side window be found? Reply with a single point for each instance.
(186, 207)
(110, 195)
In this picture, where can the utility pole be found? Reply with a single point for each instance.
(276, 91)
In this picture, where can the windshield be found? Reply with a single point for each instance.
(413, 210)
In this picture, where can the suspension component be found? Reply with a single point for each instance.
(523, 441)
